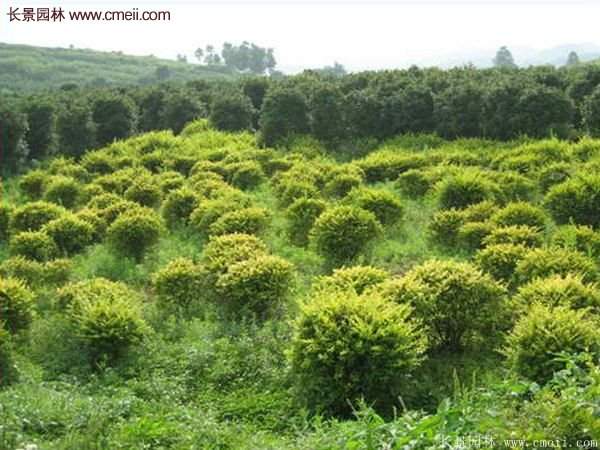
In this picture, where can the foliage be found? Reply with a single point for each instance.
(36, 245)
(63, 191)
(357, 279)
(347, 348)
(500, 260)
(16, 305)
(341, 233)
(134, 232)
(179, 283)
(542, 263)
(539, 337)
(233, 112)
(575, 200)
(384, 204)
(465, 189)
(70, 233)
(301, 216)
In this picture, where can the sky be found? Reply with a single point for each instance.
(359, 34)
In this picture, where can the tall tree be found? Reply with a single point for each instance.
(504, 58)
(572, 59)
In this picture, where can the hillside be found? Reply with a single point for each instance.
(199, 292)
(24, 68)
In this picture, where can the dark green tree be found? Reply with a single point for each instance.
(115, 117)
(179, 109)
(13, 129)
(41, 117)
(459, 111)
(544, 111)
(75, 129)
(284, 112)
(572, 59)
(326, 113)
(591, 112)
(504, 58)
(232, 112)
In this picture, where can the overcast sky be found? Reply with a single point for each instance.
(359, 34)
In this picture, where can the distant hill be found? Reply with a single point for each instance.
(24, 68)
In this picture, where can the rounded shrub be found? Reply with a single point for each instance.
(514, 186)
(544, 262)
(291, 190)
(347, 348)
(515, 234)
(6, 212)
(388, 165)
(70, 233)
(16, 305)
(144, 191)
(500, 260)
(64, 191)
(33, 216)
(246, 220)
(356, 279)
(105, 316)
(444, 226)
(340, 184)
(472, 234)
(178, 206)
(557, 290)
(554, 174)
(223, 251)
(301, 216)
(480, 212)
(457, 301)
(95, 220)
(135, 231)
(385, 205)
(521, 213)
(254, 288)
(179, 284)
(578, 237)
(246, 175)
(465, 189)
(209, 211)
(35, 245)
(33, 184)
(341, 233)
(543, 334)
(577, 200)
(170, 181)
(416, 183)
(37, 274)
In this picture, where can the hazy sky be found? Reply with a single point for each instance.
(359, 34)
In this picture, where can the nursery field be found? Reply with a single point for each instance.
(199, 291)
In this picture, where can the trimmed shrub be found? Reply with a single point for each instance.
(544, 262)
(554, 174)
(465, 189)
(98, 162)
(444, 227)
(480, 212)
(33, 184)
(301, 216)
(64, 191)
(521, 213)
(35, 245)
(578, 237)
(178, 206)
(347, 348)
(356, 279)
(37, 274)
(517, 234)
(416, 183)
(500, 260)
(472, 234)
(568, 291)
(6, 212)
(170, 181)
(385, 205)
(33, 216)
(341, 233)
(388, 165)
(179, 284)
(246, 220)
(106, 316)
(576, 200)
(144, 191)
(16, 305)
(95, 220)
(70, 233)
(289, 191)
(134, 232)
(223, 251)
(456, 300)
(341, 183)
(514, 186)
(539, 337)
(209, 211)
(246, 175)
(254, 288)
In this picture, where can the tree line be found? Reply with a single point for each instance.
(342, 111)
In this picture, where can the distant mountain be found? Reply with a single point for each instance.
(24, 68)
